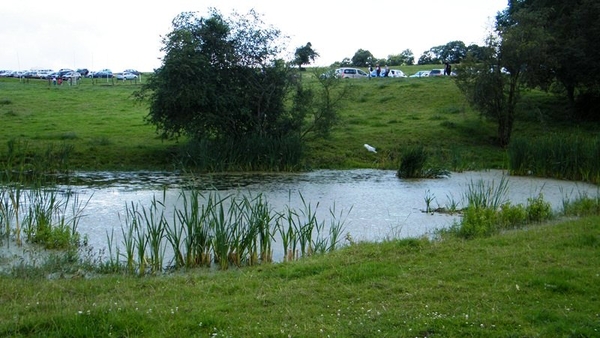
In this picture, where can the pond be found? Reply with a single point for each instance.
(373, 204)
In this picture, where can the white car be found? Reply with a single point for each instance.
(396, 73)
(126, 76)
(421, 73)
(71, 75)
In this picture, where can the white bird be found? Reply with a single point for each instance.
(371, 149)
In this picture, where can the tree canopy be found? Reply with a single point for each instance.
(219, 78)
(305, 55)
(569, 49)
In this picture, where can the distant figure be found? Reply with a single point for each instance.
(378, 68)
(387, 71)
(448, 69)
(54, 80)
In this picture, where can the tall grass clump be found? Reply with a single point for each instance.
(222, 231)
(412, 165)
(583, 205)
(488, 210)
(256, 153)
(40, 216)
(26, 164)
(412, 162)
(573, 158)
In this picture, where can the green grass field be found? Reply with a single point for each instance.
(542, 281)
(108, 131)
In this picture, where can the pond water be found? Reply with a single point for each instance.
(375, 204)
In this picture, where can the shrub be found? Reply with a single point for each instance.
(538, 210)
(478, 222)
(412, 162)
(513, 216)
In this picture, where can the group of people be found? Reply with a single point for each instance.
(378, 72)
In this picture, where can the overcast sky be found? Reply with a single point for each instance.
(124, 34)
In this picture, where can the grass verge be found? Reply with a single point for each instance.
(542, 281)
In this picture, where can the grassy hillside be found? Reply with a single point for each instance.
(107, 129)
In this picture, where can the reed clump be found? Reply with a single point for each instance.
(412, 165)
(40, 216)
(575, 158)
(488, 211)
(208, 229)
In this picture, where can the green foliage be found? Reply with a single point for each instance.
(572, 157)
(363, 58)
(254, 153)
(583, 205)
(538, 210)
(547, 29)
(305, 55)
(488, 212)
(230, 230)
(220, 78)
(412, 162)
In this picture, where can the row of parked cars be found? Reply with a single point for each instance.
(67, 74)
(351, 73)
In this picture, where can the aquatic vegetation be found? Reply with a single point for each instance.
(230, 230)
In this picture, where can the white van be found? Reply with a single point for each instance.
(350, 73)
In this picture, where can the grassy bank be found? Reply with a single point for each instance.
(542, 281)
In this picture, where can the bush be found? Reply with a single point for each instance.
(412, 162)
(538, 210)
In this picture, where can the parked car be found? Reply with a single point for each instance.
(83, 71)
(421, 73)
(133, 71)
(436, 72)
(396, 73)
(63, 71)
(104, 73)
(71, 75)
(328, 74)
(350, 73)
(126, 76)
(42, 73)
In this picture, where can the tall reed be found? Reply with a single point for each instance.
(234, 229)
(566, 157)
(482, 195)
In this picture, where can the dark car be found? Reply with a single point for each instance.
(83, 71)
(103, 74)
(62, 72)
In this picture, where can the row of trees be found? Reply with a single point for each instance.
(452, 52)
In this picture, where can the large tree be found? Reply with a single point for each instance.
(571, 54)
(363, 58)
(513, 57)
(305, 55)
(220, 78)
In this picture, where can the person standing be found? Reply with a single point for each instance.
(378, 70)
(448, 69)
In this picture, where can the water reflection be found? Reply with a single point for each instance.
(380, 205)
